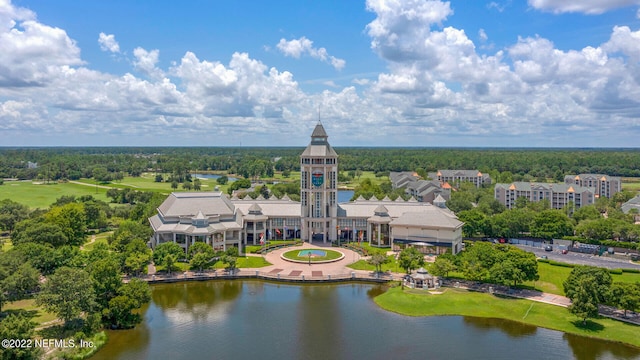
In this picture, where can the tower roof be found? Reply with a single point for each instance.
(319, 131)
(319, 146)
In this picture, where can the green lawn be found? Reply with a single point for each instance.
(101, 238)
(28, 307)
(365, 175)
(146, 182)
(41, 196)
(250, 262)
(392, 265)
(461, 302)
(330, 255)
(631, 183)
(552, 276)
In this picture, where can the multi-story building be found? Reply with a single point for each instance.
(559, 195)
(422, 190)
(319, 187)
(221, 222)
(455, 177)
(604, 185)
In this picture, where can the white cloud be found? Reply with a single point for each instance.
(32, 53)
(436, 87)
(582, 6)
(499, 7)
(108, 43)
(298, 47)
(146, 61)
(483, 35)
(400, 26)
(361, 81)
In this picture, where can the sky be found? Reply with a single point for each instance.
(503, 73)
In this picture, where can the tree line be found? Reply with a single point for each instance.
(113, 162)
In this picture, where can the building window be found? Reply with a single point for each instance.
(318, 205)
(304, 181)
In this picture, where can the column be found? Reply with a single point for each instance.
(254, 233)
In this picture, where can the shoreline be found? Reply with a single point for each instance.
(501, 307)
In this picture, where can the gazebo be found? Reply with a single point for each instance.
(421, 279)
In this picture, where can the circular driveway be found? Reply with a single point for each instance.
(283, 267)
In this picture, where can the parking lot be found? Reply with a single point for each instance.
(582, 259)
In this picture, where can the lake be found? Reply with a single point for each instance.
(229, 319)
(213, 176)
(344, 195)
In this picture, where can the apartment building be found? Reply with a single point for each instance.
(604, 185)
(559, 195)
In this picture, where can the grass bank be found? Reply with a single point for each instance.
(552, 277)
(41, 195)
(466, 303)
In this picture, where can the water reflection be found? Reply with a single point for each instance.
(589, 349)
(263, 320)
(511, 328)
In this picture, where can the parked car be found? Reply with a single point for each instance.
(548, 248)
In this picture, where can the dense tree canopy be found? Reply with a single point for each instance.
(67, 293)
(587, 287)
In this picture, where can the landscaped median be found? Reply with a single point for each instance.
(316, 256)
(467, 303)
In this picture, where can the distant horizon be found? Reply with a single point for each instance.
(3, 147)
(418, 73)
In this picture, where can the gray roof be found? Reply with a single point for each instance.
(554, 187)
(321, 148)
(405, 213)
(272, 208)
(434, 217)
(573, 178)
(318, 131)
(633, 203)
(188, 204)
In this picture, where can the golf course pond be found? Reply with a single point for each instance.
(233, 319)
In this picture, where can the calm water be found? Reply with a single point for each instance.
(213, 176)
(345, 195)
(262, 320)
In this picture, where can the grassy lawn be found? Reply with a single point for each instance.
(365, 175)
(146, 182)
(101, 238)
(392, 265)
(631, 183)
(252, 249)
(330, 255)
(41, 196)
(28, 307)
(250, 262)
(552, 276)
(461, 302)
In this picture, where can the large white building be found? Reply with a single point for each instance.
(219, 221)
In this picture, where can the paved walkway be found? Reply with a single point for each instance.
(333, 268)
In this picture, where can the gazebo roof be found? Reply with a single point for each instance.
(421, 274)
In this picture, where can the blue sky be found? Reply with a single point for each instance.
(538, 73)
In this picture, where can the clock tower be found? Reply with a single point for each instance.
(319, 189)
